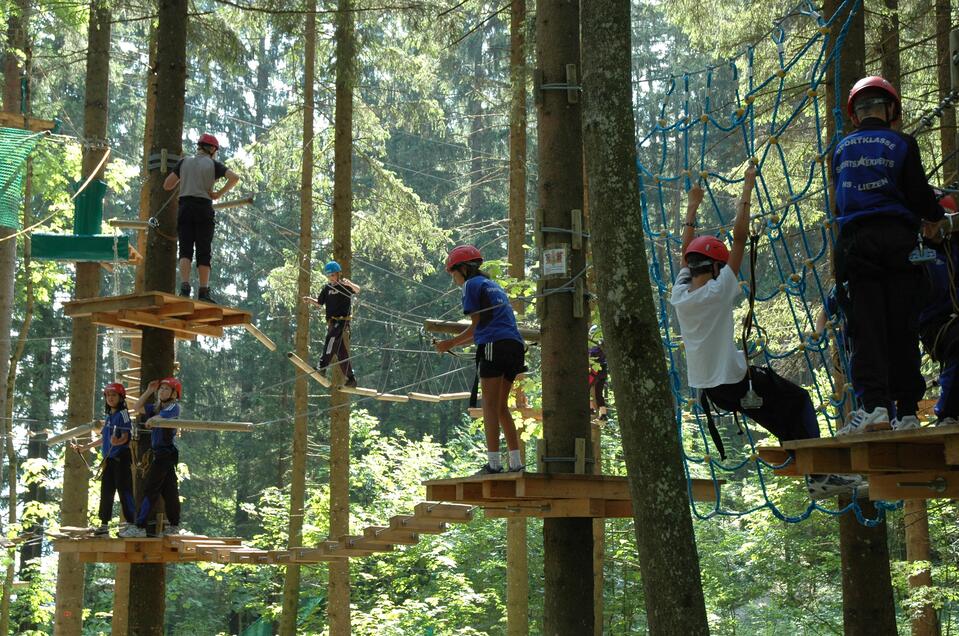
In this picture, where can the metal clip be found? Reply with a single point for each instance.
(751, 400)
(922, 254)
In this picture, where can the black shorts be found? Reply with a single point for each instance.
(195, 223)
(503, 358)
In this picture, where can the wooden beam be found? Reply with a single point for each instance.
(890, 456)
(14, 120)
(455, 327)
(415, 524)
(74, 432)
(461, 395)
(301, 364)
(173, 324)
(259, 335)
(823, 460)
(182, 308)
(129, 224)
(89, 306)
(425, 397)
(444, 511)
(914, 485)
(396, 537)
(392, 397)
(110, 320)
(199, 425)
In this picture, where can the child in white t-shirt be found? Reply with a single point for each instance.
(704, 296)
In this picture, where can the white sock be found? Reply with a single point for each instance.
(515, 461)
(493, 459)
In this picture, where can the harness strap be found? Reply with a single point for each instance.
(713, 431)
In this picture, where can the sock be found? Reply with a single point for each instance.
(515, 461)
(493, 459)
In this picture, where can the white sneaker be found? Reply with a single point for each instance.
(132, 532)
(822, 486)
(947, 421)
(862, 421)
(171, 531)
(907, 423)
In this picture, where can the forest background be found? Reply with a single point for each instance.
(430, 170)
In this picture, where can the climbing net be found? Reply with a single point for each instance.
(711, 125)
(15, 146)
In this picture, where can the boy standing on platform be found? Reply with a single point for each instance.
(337, 298)
(882, 196)
(195, 215)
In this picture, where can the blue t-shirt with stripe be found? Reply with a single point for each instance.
(162, 437)
(116, 424)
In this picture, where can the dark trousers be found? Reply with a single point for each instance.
(883, 291)
(160, 481)
(117, 478)
(195, 226)
(787, 410)
(597, 383)
(337, 333)
(941, 341)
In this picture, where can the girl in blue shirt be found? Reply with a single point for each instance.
(500, 351)
(116, 476)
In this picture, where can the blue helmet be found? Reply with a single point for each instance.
(331, 268)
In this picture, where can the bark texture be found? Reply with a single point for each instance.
(291, 584)
(651, 443)
(568, 543)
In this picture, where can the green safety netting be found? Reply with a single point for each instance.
(15, 146)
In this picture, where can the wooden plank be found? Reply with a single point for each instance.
(460, 395)
(444, 511)
(181, 308)
(441, 492)
(110, 320)
(173, 324)
(928, 434)
(951, 451)
(231, 320)
(823, 460)
(197, 425)
(259, 335)
(914, 485)
(302, 365)
(422, 526)
(363, 542)
(129, 224)
(562, 508)
(455, 327)
(73, 433)
(705, 489)
(396, 537)
(495, 489)
(425, 397)
(358, 390)
(89, 306)
(16, 120)
(892, 457)
(392, 397)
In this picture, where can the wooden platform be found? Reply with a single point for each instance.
(917, 464)
(547, 495)
(185, 317)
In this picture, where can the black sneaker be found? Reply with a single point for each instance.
(519, 469)
(350, 382)
(101, 531)
(185, 289)
(488, 470)
(205, 295)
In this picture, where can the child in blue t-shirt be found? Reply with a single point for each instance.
(160, 480)
(116, 476)
(500, 351)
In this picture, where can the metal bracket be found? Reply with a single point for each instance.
(937, 485)
(579, 298)
(161, 161)
(570, 86)
(576, 218)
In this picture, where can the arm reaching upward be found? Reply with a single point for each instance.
(689, 226)
(741, 227)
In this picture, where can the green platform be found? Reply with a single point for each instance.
(70, 247)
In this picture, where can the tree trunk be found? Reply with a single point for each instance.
(868, 604)
(947, 130)
(291, 584)
(651, 444)
(567, 543)
(517, 561)
(148, 581)
(151, 92)
(339, 586)
(83, 345)
(889, 43)
(9, 442)
(916, 520)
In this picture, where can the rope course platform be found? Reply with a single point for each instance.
(549, 495)
(185, 317)
(428, 518)
(917, 464)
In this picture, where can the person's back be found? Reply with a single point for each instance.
(198, 174)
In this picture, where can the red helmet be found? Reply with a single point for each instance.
(873, 81)
(209, 140)
(948, 201)
(117, 388)
(174, 384)
(462, 254)
(710, 247)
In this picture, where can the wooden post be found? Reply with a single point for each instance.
(599, 538)
(291, 584)
(916, 520)
(567, 543)
(339, 585)
(954, 82)
(121, 599)
(947, 83)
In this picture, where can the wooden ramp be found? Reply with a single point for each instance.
(916, 464)
(185, 317)
(548, 495)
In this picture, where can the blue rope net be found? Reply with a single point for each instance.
(710, 125)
